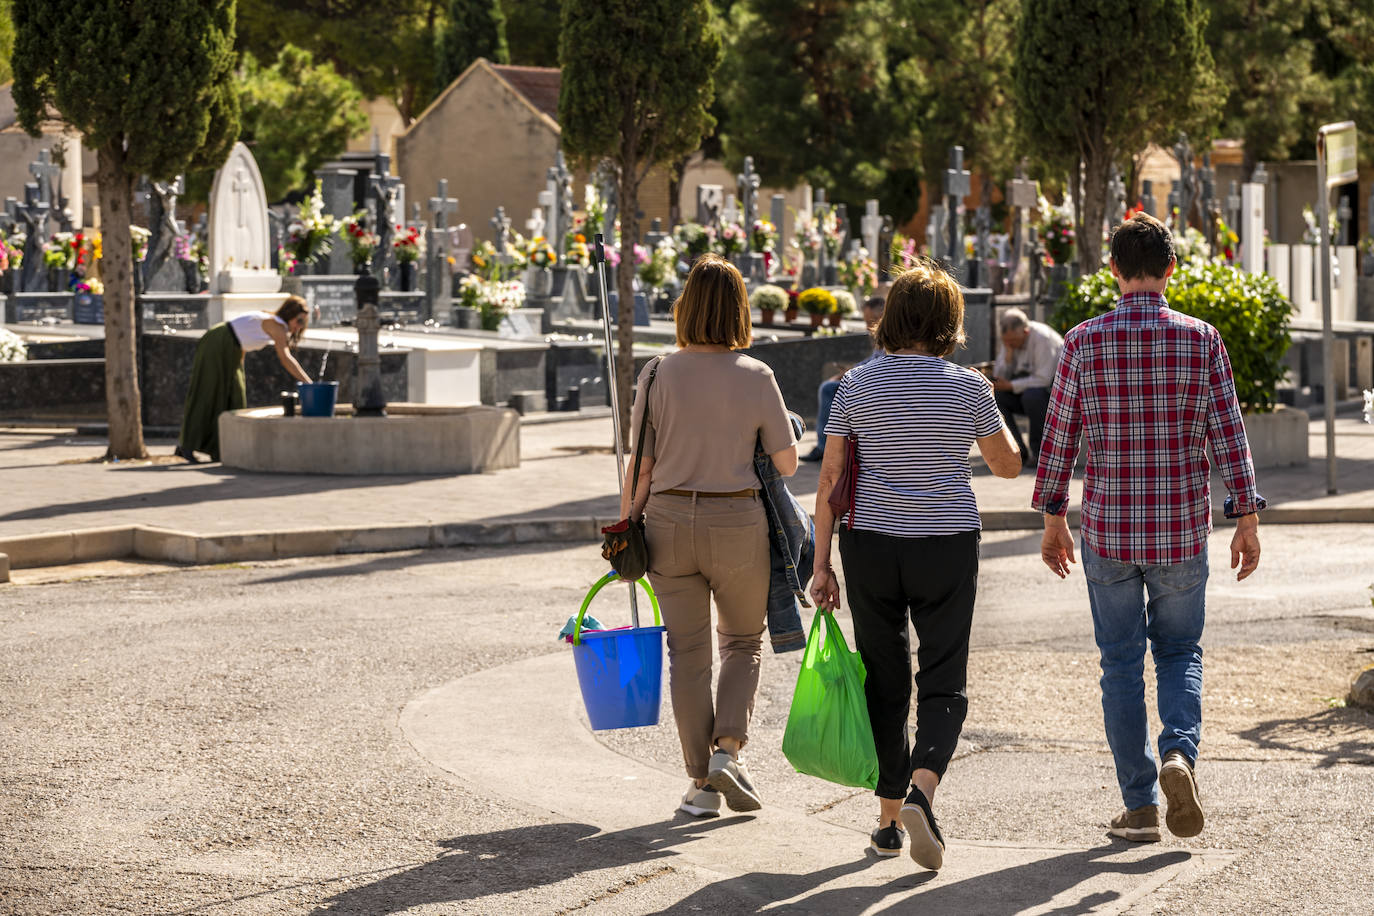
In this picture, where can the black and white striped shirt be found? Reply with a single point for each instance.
(916, 418)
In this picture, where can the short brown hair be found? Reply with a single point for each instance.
(713, 307)
(1142, 247)
(925, 308)
(287, 312)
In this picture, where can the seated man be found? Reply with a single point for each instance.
(872, 311)
(1023, 374)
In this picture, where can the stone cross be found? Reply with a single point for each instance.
(45, 171)
(748, 182)
(1187, 181)
(979, 275)
(9, 217)
(1147, 196)
(777, 210)
(371, 398)
(730, 212)
(535, 224)
(441, 206)
(1023, 196)
(957, 187)
(241, 188)
(1175, 196)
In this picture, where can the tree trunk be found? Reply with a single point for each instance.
(123, 402)
(624, 283)
(1096, 166)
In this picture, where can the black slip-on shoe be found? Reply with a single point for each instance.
(887, 841)
(927, 843)
(186, 455)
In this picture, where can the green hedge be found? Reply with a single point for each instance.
(1247, 309)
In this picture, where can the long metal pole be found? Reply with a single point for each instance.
(1328, 339)
(615, 394)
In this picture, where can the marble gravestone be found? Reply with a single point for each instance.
(240, 253)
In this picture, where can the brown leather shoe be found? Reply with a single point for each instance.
(1140, 825)
(1184, 817)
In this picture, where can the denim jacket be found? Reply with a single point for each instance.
(792, 547)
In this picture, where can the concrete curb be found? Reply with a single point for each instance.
(149, 542)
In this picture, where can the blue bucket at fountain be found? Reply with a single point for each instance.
(318, 398)
(620, 672)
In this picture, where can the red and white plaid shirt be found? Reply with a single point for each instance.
(1150, 388)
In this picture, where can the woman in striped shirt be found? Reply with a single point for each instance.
(909, 544)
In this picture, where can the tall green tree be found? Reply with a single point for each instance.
(1265, 61)
(149, 85)
(1101, 78)
(385, 46)
(808, 92)
(532, 31)
(472, 29)
(636, 90)
(6, 40)
(297, 114)
(953, 68)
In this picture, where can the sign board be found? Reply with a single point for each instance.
(332, 299)
(1339, 143)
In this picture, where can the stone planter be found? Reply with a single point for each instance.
(1278, 439)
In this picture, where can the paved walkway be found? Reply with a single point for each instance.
(566, 483)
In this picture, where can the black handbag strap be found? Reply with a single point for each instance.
(643, 424)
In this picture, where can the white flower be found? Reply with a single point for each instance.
(12, 349)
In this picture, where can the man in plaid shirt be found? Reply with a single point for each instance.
(1150, 389)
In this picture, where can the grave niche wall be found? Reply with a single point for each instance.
(53, 388)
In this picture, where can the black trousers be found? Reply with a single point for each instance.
(1034, 403)
(933, 581)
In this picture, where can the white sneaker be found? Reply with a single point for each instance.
(729, 777)
(703, 802)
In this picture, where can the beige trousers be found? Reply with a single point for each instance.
(700, 548)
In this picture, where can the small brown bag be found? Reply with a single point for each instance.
(623, 544)
(841, 498)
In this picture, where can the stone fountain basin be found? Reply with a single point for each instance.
(411, 439)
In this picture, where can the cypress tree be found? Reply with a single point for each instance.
(475, 28)
(1096, 80)
(636, 90)
(149, 85)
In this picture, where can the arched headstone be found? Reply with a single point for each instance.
(240, 238)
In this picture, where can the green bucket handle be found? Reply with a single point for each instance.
(602, 583)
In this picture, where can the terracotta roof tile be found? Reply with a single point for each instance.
(538, 84)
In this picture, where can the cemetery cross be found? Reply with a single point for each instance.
(748, 181)
(957, 187)
(440, 207)
(1023, 195)
(1147, 196)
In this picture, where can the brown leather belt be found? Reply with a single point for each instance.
(701, 494)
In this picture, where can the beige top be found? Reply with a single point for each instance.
(707, 410)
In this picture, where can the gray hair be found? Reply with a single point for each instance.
(1012, 320)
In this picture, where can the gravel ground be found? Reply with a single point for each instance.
(225, 740)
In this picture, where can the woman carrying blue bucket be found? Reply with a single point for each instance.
(705, 526)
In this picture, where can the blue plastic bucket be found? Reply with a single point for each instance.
(620, 671)
(318, 398)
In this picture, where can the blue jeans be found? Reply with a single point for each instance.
(825, 397)
(1171, 619)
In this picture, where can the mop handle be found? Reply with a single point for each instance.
(615, 394)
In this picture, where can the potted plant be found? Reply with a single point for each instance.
(1252, 317)
(695, 239)
(790, 315)
(768, 299)
(362, 244)
(407, 251)
(467, 314)
(844, 306)
(817, 303)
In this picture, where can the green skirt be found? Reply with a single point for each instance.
(217, 385)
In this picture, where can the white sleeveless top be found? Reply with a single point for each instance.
(248, 329)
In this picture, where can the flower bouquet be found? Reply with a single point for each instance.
(409, 245)
(658, 268)
(732, 238)
(860, 274)
(695, 239)
(541, 254)
(362, 244)
(764, 235)
(575, 251)
(12, 349)
(311, 235)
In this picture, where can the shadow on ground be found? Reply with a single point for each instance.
(1333, 736)
(512, 861)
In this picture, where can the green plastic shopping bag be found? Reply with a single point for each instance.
(828, 733)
